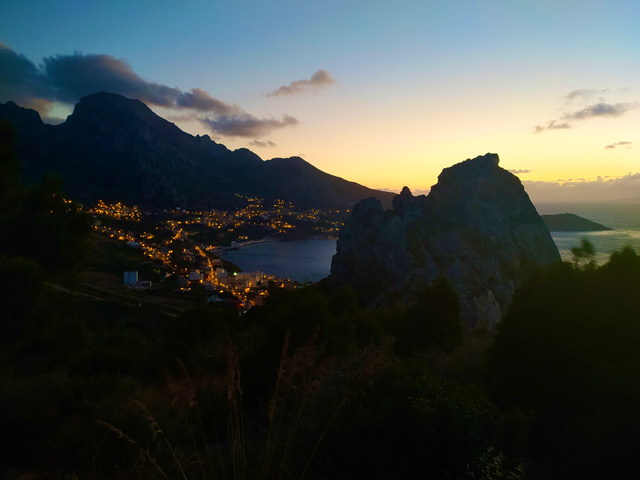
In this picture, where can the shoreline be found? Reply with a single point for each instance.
(302, 260)
(271, 238)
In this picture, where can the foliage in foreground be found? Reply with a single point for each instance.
(568, 350)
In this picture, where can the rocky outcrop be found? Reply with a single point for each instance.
(477, 228)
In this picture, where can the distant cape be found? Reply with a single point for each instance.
(116, 149)
(569, 222)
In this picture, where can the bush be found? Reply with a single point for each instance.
(568, 349)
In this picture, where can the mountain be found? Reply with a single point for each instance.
(570, 222)
(477, 228)
(116, 149)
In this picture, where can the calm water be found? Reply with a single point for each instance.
(309, 260)
(306, 260)
(624, 219)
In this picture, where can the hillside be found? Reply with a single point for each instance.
(116, 149)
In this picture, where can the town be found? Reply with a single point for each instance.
(182, 248)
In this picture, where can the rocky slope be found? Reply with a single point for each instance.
(477, 228)
(116, 149)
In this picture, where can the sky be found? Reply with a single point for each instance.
(383, 93)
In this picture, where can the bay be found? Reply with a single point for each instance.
(309, 260)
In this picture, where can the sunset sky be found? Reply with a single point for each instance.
(382, 93)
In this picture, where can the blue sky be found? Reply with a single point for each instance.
(405, 88)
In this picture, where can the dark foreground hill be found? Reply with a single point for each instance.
(116, 149)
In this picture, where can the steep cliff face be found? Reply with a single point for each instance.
(477, 228)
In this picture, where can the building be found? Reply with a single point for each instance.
(130, 277)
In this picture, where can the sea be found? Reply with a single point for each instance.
(309, 260)
(624, 219)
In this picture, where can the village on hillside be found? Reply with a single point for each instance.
(182, 248)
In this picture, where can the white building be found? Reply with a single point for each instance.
(131, 277)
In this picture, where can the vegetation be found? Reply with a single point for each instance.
(568, 351)
(310, 385)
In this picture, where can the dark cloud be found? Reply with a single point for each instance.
(619, 144)
(75, 76)
(198, 99)
(247, 125)
(22, 82)
(67, 78)
(518, 171)
(260, 143)
(320, 79)
(552, 125)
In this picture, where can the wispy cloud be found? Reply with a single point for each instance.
(519, 171)
(552, 125)
(619, 144)
(584, 94)
(67, 78)
(319, 80)
(247, 125)
(590, 109)
(601, 110)
(262, 144)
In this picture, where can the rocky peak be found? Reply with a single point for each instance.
(477, 228)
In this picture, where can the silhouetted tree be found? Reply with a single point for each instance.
(584, 254)
(38, 222)
(568, 349)
(433, 322)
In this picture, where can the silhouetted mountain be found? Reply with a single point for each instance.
(116, 149)
(477, 228)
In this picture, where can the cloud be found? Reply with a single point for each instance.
(601, 109)
(619, 144)
(552, 125)
(22, 82)
(319, 80)
(67, 78)
(584, 93)
(198, 99)
(518, 171)
(261, 144)
(75, 76)
(247, 125)
(583, 190)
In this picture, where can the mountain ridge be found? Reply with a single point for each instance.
(117, 149)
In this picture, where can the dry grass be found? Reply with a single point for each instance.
(300, 379)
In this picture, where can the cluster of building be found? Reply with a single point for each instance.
(184, 243)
